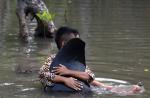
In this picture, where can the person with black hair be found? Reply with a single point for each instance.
(63, 35)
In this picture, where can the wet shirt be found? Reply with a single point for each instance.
(46, 77)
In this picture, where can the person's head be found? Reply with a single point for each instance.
(64, 34)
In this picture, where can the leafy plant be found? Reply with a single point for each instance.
(45, 16)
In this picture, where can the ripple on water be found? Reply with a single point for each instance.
(6, 84)
(112, 80)
(28, 89)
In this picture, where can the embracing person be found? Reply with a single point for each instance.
(67, 70)
(59, 73)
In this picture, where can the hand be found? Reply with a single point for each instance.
(73, 83)
(136, 88)
(61, 70)
(108, 87)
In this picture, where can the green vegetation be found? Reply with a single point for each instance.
(46, 16)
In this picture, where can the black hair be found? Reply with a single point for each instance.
(64, 34)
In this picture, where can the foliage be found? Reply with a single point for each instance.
(45, 16)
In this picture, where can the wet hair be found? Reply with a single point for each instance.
(64, 34)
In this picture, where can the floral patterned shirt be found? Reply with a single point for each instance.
(46, 76)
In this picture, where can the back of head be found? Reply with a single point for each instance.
(65, 34)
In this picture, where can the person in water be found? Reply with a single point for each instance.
(47, 78)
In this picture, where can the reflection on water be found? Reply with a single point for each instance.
(116, 33)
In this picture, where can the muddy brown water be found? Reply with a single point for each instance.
(117, 36)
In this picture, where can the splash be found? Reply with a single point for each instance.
(111, 80)
(124, 90)
(120, 87)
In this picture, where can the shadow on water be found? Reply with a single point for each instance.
(117, 37)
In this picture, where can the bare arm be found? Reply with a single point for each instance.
(86, 76)
(70, 82)
(97, 83)
(48, 78)
(62, 70)
(81, 75)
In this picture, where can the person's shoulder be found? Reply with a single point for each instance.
(51, 56)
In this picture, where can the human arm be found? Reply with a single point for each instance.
(49, 78)
(44, 74)
(85, 76)
(100, 84)
(70, 82)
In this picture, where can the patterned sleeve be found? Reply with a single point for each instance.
(91, 74)
(45, 75)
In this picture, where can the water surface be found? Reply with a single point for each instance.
(117, 37)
